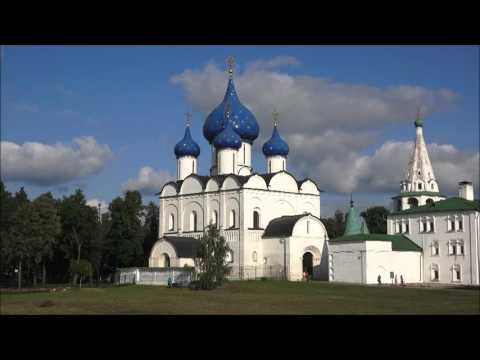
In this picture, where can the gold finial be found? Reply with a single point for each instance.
(230, 65)
(189, 119)
(275, 117)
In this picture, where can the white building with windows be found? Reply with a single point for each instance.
(446, 229)
(271, 220)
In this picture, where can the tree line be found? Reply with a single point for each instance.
(65, 240)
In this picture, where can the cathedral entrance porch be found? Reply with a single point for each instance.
(307, 264)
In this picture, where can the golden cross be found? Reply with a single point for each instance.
(189, 118)
(230, 64)
(275, 117)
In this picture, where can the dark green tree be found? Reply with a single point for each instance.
(150, 228)
(7, 212)
(79, 225)
(376, 219)
(47, 229)
(335, 225)
(125, 236)
(212, 259)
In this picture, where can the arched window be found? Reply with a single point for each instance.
(244, 157)
(283, 165)
(193, 221)
(419, 186)
(171, 222)
(215, 218)
(193, 166)
(308, 227)
(232, 219)
(433, 186)
(413, 202)
(256, 219)
(233, 164)
(254, 256)
(457, 273)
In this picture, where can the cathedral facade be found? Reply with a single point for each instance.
(270, 220)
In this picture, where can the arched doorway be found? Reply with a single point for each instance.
(164, 260)
(307, 263)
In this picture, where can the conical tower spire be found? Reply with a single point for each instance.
(420, 175)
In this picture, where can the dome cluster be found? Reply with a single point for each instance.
(227, 138)
(243, 121)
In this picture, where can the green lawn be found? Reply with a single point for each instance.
(247, 297)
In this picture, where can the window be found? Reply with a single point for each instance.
(435, 248)
(244, 157)
(397, 227)
(215, 218)
(193, 221)
(429, 202)
(456, 273)
(460, 248)
(435, 275)
(232, 219)
(450, 224)
(419, 186)
(432, 226)
(308, 227)
(256, 219)
(283, 165)
(413, 202)
(460, 223)
(407, 227)
(171, 222)
(404, 227)
(193, 166)
(423, 225)
(254, 256)
(452, 248)
(432, 186)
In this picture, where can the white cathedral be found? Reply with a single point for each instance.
(271, 220)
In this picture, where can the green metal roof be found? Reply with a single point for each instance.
(399, 242)
(353, 225)
(451, 204)
(418, 193)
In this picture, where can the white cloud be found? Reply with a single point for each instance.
(148, 181)
(44, 164)
(103, 205)
(330, 124)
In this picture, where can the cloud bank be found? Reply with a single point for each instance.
(44, 165)
(148, 181)
(329, 124)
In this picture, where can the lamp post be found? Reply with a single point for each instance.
(284, 242)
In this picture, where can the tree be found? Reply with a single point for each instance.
(125, 236)
(81, 269)
(47, 228)
(150, 229)
(211, 258)
(335, 225)
(376, 219)
(79, 223)
(7, 212)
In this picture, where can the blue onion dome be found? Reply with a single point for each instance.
(276, 145)
(186, 146)
(243, 120)
(227, 138)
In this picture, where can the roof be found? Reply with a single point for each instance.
(185, 247)
(275, 145)
(282, 226)
(187, 146)
(242, 179)
(451, 204)
(399, 242)
(418, 193)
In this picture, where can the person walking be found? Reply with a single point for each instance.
(402, 283)
(396, 280)
(379, 280)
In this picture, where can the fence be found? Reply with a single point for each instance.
(274, 272)
(154, 276)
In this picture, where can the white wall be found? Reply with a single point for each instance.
(469, 235)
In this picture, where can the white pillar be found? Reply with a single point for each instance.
(276, 163)
(186, 165)
(227, 161)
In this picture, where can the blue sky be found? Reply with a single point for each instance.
(124, 97)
